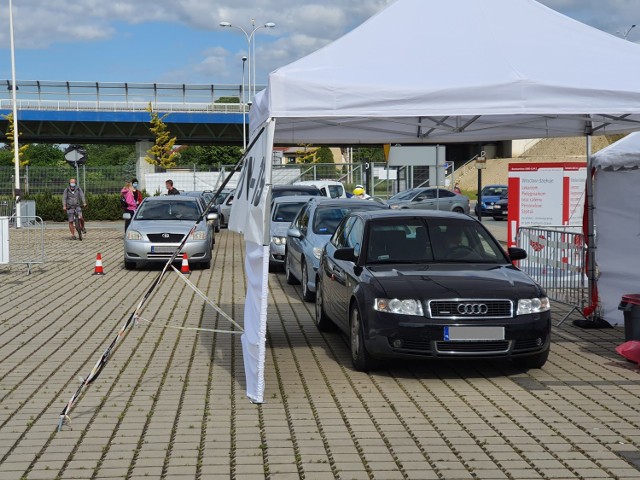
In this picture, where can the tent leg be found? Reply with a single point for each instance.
(595, 321)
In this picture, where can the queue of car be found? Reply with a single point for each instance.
(413, 278)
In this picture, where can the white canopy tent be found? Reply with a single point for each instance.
(617, 220)
(428, 71)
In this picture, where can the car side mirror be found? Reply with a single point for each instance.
(212, 216)
(347, 254)
(294, 232)
(126, 216)
(516, 253)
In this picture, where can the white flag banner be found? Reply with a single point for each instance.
(249, 215)
(249, 208)
(255, 319)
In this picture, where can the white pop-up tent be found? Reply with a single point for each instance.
(617, 220)
(429, 71)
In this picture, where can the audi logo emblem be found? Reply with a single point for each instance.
(473, 309)
(165, 235)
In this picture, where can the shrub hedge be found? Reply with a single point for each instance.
(103, 206)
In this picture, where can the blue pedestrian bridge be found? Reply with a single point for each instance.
(94, 112)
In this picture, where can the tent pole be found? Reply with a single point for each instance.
(592, 290)
(591, 270)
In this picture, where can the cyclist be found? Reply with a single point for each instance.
(72, 199)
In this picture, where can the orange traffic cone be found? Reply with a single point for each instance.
(185, 264)
(98, 270)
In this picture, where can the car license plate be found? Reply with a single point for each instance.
(162, 249)
(474, 333)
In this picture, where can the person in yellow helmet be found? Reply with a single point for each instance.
(359, 192)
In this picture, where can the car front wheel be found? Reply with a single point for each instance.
(360, 358)
(307, 295)
(291, 280)
(322, 321)
(533, 361)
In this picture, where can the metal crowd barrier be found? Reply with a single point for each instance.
(26, 241)
(556, 260)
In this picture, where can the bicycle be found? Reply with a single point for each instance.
(77, 223)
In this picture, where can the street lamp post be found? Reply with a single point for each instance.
(625, 33)
(251, 50)
(14, 87)
(244, 110)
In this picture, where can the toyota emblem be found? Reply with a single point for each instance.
(165, 235)
(473, 309)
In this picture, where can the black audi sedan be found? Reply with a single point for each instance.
(426, 284)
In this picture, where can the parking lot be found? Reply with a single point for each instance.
(171, 401)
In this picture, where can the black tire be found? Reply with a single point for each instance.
(533, 361)
(497, 219)
(458, 210)
(362, 361)
(217, 228)
(307, 295)
(129, 265)
(78, 227)
(291, 280)
(322, 321)
(206, 265)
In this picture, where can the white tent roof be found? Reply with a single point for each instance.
(429, 71)
(624, 153)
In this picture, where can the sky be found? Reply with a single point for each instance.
(180, 41)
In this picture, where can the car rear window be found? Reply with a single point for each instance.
(286, 212)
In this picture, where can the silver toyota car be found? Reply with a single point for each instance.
(159, 225)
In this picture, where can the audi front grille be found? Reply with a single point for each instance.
(470, 308)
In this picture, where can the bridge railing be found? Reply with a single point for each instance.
(54, 95)
(57, 105)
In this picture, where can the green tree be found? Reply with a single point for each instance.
(45, 154)
(162, 153)
(228, 100)
(324, 156)
(10, 136)
(368, 154)
(208, 155)
(106, 155)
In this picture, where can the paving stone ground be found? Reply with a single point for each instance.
(171, 402)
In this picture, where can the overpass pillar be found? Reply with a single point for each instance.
(142, 166)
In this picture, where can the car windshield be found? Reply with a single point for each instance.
(220, 198)
(494, 191)
(415, 240)
(286, 212)
(326, 219)
(168, 210)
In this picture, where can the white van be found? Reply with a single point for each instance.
(329, 188)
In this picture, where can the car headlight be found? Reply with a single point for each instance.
(279, 240)
(395, 206)
(134, 235)
(317, 251)
(395, 305)
(199, 235)
(533, 305)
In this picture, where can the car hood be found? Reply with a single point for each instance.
(279, 229)
(432, 281)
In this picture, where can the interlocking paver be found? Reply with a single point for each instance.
(171, 403)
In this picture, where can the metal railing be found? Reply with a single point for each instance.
(121, 96)
(556, 261)
(26, 241)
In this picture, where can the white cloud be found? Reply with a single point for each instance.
(302, 27)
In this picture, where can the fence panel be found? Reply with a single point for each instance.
(556, 260)
(26, 241)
